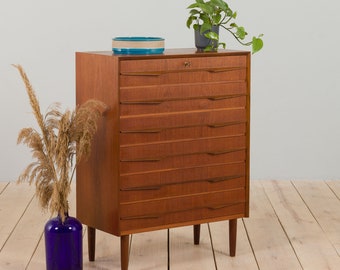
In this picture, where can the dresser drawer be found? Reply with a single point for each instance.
(144, 180)
(182, 209)
(158, 151)
(145, 123)
(163, 106)
(185, 161)
(166, 134)
(157, 66)
(143, 193)
(193, 216)
(149, 94)
(223, 75)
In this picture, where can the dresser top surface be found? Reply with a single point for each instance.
(185, 52)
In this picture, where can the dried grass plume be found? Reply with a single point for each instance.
(63, 139)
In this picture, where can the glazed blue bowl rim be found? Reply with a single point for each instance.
(138, 38)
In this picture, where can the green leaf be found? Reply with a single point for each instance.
(217, 19)
(190, 20)
(257, 44)
(194, 12)
(205, 27)
(211, 35)
(222, 44)
(192, 6)
(241, 33)
(220, 3)
(206, 8)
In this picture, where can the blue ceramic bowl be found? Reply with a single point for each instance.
(138, 45)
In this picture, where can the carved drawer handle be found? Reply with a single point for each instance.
(141, 217)
(143, 102)
(219, 125)
(226, 97)
(225, 178)
(151, 73)
(222, 152)
(219, 206)
(216, 70)
(143, 131)
(142, 160)
(142, 188)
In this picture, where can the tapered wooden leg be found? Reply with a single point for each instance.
(91, 238)
(232, 236)
(197, 232)
(124, 252)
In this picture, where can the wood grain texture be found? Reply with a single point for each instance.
(293, 225)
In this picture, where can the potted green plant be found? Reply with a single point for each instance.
(207, 17)
(60, 142)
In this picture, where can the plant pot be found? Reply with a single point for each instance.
(201, 41)
(64, 244)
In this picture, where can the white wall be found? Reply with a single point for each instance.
(295, 79)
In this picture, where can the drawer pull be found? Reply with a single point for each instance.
(222, 152)
(141, 217)
(219, 125)
(216, 70)
(142, 188)
(225, 178)
(226, 97)
(143, 131)
(142, 160)
(151, 73)
(143, 102)
(220, 206)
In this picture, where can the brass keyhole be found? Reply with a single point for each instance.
(187, 64)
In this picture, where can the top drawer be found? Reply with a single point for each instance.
(159, 66)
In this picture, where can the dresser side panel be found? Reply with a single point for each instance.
(97, 177)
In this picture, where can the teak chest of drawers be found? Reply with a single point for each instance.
(172, 150)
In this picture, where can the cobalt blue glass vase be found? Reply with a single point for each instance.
(64, 244)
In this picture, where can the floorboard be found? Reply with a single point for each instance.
(292, 225)
(309, 241)
(269, 241)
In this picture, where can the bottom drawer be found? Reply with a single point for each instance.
(171, 211)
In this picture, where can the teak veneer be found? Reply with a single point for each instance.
(173, 148)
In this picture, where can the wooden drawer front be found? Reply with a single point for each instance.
(182, 209)
(217, 117)
(182, 64)
(185, 161)
(175, 219)
(147, 107)
(164, 150)
(169, 92)
(181, 189)
(212, 173)
(232, 74)
(166, 134)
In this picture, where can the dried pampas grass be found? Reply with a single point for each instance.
(63, 139)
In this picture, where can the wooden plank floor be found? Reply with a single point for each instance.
(293, 225)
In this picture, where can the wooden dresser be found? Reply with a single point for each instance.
(172, 150)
